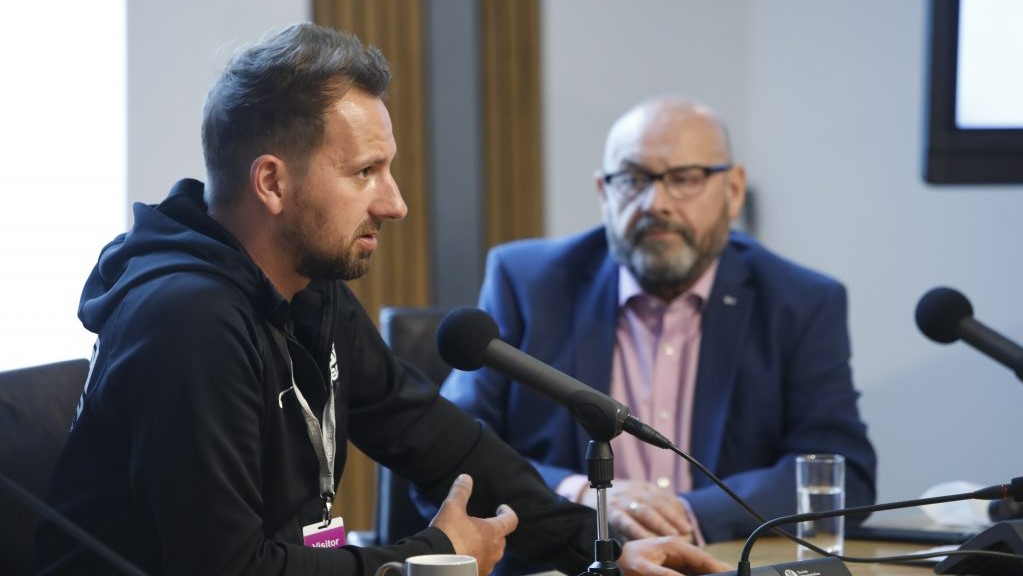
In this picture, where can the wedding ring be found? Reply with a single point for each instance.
(633, 506)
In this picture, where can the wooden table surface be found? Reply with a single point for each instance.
(775, 550)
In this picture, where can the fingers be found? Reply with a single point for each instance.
(666, 556)
(451, 517)
(460, 491)
(481, 538)
(643, 511)
(701, 563)
(676, 514)
(687, 558)
(506, 520)
(661, 516)
(492, 533)
(628, 526)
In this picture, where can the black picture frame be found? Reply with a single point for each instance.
(955, 155)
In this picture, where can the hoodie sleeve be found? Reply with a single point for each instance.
(400, 420)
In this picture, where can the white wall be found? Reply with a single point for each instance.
(62, 134)
(175, 51)
(602, 56)
(826, 104)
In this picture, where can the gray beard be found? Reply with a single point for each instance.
(657, 271)
(666, 272)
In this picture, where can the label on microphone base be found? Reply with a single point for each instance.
(815, 567)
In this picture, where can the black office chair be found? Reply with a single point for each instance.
(411, 334)
(36, 407)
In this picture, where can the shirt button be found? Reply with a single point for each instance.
(669, 350)
(663, 482)
(663, 414)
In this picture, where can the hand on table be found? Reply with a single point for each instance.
(637, 509)
(667, 556)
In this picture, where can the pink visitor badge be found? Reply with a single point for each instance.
(332, 536)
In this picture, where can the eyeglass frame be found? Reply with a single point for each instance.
(653, 177)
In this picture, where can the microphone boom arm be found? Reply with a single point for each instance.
(1014, 490)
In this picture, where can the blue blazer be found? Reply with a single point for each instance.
(773, 378)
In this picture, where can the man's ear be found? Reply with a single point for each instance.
(736, 190)
(600, 186)
(268, 177)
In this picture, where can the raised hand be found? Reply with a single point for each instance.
(481, 538)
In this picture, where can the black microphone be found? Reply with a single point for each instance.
(468, 339)
(945, 315)
(833, 566)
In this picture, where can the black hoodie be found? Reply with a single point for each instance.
(189, 456)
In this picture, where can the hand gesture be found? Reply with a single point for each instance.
(481, 538)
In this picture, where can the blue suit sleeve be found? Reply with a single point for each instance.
(484, 393)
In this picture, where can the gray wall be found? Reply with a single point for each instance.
(175, 51)
(826, 106)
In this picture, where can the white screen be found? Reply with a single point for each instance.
(989, 83)
(63, 142)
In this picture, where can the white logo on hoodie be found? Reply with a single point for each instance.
(335, 372)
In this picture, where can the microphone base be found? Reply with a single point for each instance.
(602, 569)
(1004, 536)
(814, 567)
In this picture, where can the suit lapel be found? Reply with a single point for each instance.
(725, 321)
(595, 322)
(596, 319)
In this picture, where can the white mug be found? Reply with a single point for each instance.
(432, 565)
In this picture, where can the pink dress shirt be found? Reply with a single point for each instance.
(654, 373)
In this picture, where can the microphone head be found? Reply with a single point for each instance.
(939, 312)
(463, 336)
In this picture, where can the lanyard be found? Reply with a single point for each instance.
(322, 436)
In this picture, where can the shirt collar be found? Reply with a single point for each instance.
(628, 286)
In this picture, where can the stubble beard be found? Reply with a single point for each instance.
(347, 263)
(344, 261)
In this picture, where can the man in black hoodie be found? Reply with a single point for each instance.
(232, 364)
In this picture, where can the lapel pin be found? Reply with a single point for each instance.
(730, 300)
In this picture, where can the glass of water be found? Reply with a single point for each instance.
(820, 486)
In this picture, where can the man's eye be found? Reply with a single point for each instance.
(634, 180)
(364, 173)
(685, 178)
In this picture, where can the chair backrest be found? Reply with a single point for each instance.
(36, 408)
(410, 333)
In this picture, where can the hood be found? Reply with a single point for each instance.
(175, 236)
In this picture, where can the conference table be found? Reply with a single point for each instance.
(774, 550)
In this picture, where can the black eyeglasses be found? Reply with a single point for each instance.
(680, 182)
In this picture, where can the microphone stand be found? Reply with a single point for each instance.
(601, 471)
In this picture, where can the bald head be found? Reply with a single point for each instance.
(665, 125)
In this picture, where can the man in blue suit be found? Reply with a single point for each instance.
(737, 355)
